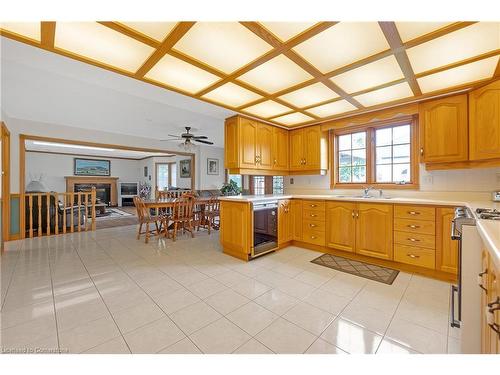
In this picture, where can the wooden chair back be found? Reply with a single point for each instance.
(183, 208)
(213, 205)
(162, 194)
(142, 211)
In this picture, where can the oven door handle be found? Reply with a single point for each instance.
(454, 322)
(454, 235)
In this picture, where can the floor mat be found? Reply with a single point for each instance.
(355, 267)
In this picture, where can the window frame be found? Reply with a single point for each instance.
(371, 156)
(169, 166)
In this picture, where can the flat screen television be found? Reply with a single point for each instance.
(129, 188)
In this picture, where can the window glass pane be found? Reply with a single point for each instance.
(345, 174)
(345, 158)
(345, 142)
(278, 187)
(359, 140)
(236, 178)
(359, 157)
(402, 172)
(384, 173)
(401, 134)
(358, 174)
(162, 176)
(384, 155)
(259, 185)
(173, 172)
(401, 153)
(383, 137)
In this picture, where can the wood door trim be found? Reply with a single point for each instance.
(5, 167)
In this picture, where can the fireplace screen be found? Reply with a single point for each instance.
(102, 191)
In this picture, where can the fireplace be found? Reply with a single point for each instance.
(102, 191)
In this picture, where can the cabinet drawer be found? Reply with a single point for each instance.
(415, 212)
(416, 256)
(415, 226)
(315, 225)
(313, 205)
(314, 237)
(311, 214)
(415, 239)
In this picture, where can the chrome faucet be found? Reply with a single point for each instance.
(366, 190)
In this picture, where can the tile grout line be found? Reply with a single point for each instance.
(10, 279)
(54, 302)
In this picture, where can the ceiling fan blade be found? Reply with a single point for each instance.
(206, 142)
(171, 139)
(200, 137)
(174, 135)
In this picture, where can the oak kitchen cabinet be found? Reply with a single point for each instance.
(296, 212)
(490, 305)
(236, 232)
(308, 150)
(252, 147)
(444, 130)
(341, 225)
(446, 248)
(285, 221)
(484, 122)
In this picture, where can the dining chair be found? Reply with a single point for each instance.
(212, 213)
(145, 218)
(182, 216)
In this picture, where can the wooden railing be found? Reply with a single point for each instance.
(58, 211)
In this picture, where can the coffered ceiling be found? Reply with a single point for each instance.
(285, 73)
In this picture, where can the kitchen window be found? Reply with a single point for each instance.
(278, 185)
(382, 155)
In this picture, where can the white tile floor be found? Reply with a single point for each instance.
(106, 292)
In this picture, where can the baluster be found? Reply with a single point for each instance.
(47, 203)
(30, 200)
(79, 211)
(71, 218)
(86, 218)
(39, 198)
(64, 213)
(93, 197)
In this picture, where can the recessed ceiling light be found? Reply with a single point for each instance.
(370, 75)
(155, 30)
(342, 44)
(177, 73)
(293, 118)
(385, 95)
(231, 94)
(226, 46)
(102, 44)
(411, 30)
(275, 75)
(287, 30)
(468, 73)
(267, 109)
(459, 45)
(330, 109)
(309, 95)
(29, 30)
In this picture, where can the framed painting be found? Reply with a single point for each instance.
(185, 167)
(92, 167)
(212, 166)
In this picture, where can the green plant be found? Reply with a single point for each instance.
(230, 188)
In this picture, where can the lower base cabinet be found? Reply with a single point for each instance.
(341, 225)
(285, 221)
(236, 235)
(490, 306)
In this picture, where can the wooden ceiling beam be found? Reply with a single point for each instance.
(278, 49)
(131, 33)
(175, 35)
(391, 33)
(48, 34)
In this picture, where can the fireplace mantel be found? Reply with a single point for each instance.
(72, 180)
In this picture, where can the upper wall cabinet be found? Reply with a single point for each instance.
(484, 122)
(252, 147)
(443, 130)
(308, 150)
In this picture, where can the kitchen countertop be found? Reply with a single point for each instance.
(489, 230)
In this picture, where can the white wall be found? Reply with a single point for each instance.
(54, 167)
(211, 182)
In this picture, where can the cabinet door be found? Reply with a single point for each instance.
(264, 146)
(341, 225)
(485, 329)
(280, 149)
(248, 143)
(493, 296)
(447, 249)
(236, 228)
(443, 130)
(231, 143)
(374, 230)
(284, 222)
(296, 214)
(312, 147)
(484, 122)
(297, 149)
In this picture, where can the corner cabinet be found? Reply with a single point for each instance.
(308, 150)
(443, 130)
(446, 248)
(490, 305)
(484, 122)
(252, 147)
(285, 221)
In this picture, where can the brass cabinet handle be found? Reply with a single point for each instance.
(357, 214)
(480, 280)
(313, 205)
(353, 214)
(413, 256)
(413, 226)
(312, 225)
(313, 237)
(422, 151)
(275, 161)
(414, 212)
(313, 215)
(413, 239)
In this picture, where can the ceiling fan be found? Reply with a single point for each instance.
(188, 139)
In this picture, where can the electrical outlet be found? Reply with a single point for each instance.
(291, 180)
(428, 180)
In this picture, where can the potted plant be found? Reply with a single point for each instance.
(231, 188)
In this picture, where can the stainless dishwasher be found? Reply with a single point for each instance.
(265, 227)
